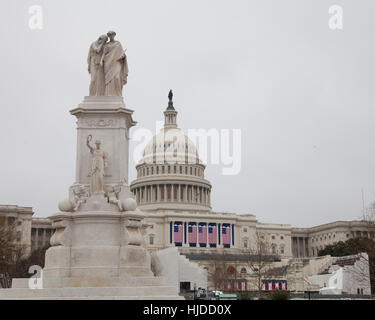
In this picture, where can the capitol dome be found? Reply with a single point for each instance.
(170, 172)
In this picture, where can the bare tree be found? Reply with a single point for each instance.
(260, 261)
(11, 252)
(218, 270)
(369, 218)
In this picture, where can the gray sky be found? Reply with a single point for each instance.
(302, 94)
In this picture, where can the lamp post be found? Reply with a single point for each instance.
(309, 291)
(195, 288)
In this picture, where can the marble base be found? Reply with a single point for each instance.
(96, 255)
(92, 293)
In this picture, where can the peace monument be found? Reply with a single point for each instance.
(98, 249)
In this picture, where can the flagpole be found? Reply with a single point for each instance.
(363, 204)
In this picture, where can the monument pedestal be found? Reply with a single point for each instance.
(98, 250)
(96, 255)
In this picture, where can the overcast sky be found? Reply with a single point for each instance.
(302, 94)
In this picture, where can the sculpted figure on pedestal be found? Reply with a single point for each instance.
(115, 66)
(98, 163)
(80, 195)
(108, 66)
(95, 68)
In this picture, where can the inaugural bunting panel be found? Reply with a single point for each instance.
(192, 234)
(269, 285)
(212, 234)
(202, 234)
(178, 233)
(226, 234)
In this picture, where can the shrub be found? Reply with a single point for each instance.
(279, 295)
(244, 296)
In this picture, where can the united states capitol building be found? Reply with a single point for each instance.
(176, 200)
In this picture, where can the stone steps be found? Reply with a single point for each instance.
(93, 282)
(144, 292)
(102, 298)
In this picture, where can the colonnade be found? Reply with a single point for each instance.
(170, 192)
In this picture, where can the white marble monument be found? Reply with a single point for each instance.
(98, 250)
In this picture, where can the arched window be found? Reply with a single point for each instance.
(245, 243)
(274, 248)
(231, 271)
(243, 270)
(151, 239)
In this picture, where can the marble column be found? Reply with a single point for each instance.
(298, 248)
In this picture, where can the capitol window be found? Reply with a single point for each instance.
(169, 169)
(163, 169)
(281, 237)
(273, 237)
(186, 170)
(282, 249)
(245, 243)
(274, 249)
(152, 170)
(244, 229)
(174, 169)
(191, 170)
(157, 169)
(151, 239)
(180, 169)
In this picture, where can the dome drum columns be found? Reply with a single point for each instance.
(180, 193)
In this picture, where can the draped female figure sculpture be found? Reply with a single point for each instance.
(98, 163)
(95, 68)
(115, 66)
